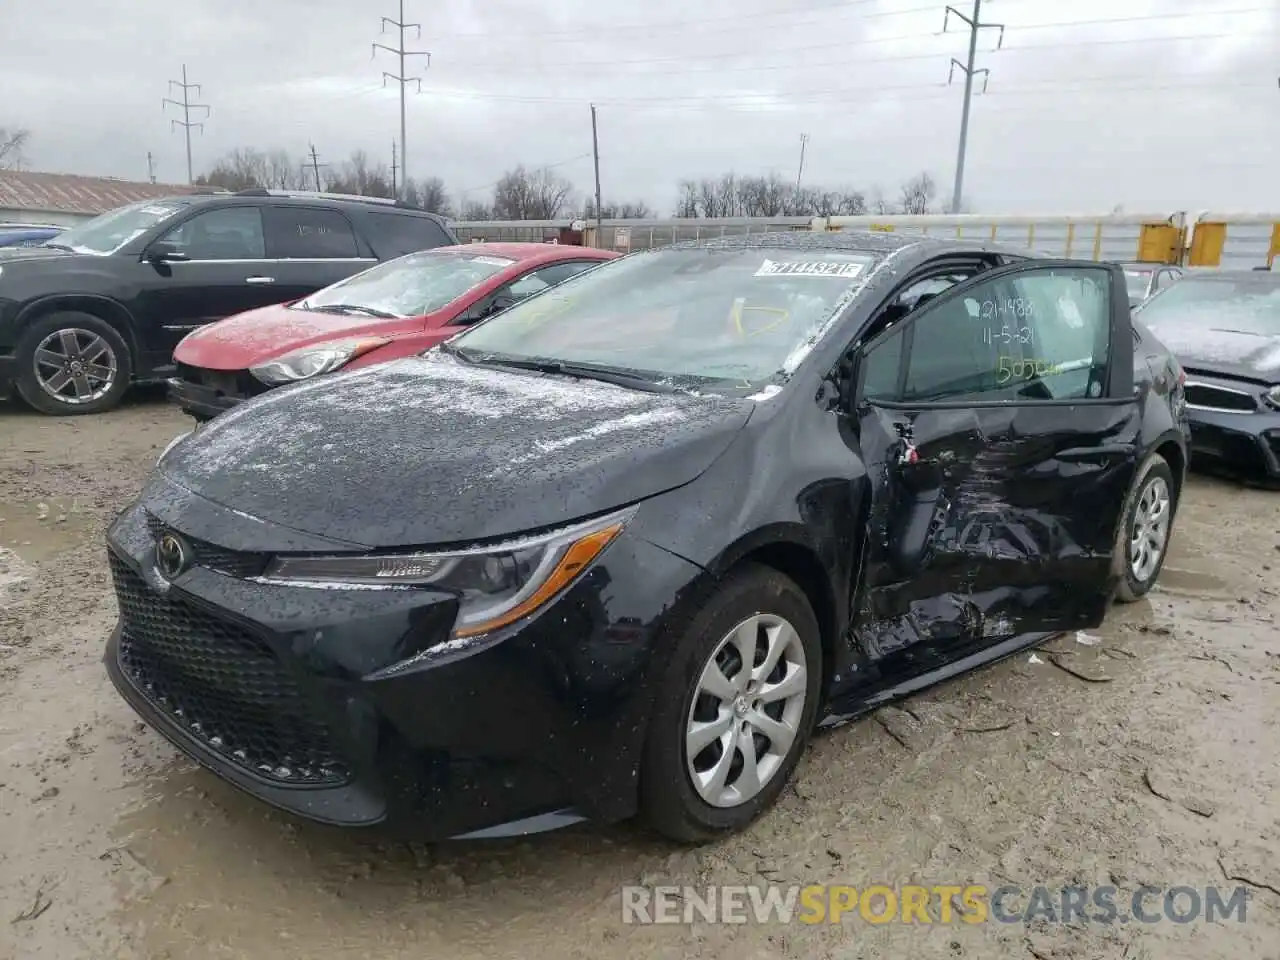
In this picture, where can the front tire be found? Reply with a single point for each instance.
(1142, 542)
(73, 363)
(735, 710)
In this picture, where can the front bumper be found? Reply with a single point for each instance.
(1245, 442)
(204, 394)
(281, 690)
(8, 374)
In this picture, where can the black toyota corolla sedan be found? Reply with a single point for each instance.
(621, 548)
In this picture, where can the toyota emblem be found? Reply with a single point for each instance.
(171, 555)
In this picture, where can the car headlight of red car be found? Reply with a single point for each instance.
(315, 360)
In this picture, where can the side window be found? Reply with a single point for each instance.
(881, 364)
(395, 234)
(560, 272)
(232, 233)
(542, 278)
(308, 233)
(1035, 335)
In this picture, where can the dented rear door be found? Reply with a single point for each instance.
(1001, 435)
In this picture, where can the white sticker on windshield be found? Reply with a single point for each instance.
(815, 268)
(493, 261)
(157, 211)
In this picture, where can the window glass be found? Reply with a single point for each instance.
(881, 365)
(111, 231)
(542, 279)
(301, 233)
(701, 315)
(395, 234)
(411, 285)
(232, 233)
(1034, 335)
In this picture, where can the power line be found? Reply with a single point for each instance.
(187, 106)
(400, 78)
(544, 166)
(824, 18)
(596, 66)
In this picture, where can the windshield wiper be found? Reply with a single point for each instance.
(59, 246)
(565, 368)
(1247, 333)
(351, 308)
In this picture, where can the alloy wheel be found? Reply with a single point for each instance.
(1149, 533)
(75, 366)
(746, 710)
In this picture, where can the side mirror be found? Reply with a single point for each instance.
(163, 251)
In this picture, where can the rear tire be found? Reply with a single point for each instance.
(72, 363)
(1146, 524)
(713, 794)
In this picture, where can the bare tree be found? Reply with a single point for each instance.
(241, 169)
(12, 142)
(687, 204)
(618, 211)
(918, 194)
(475, 210)
(428, 194)
(522, 194)
(360, 177)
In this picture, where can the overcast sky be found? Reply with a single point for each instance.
(1080, 115)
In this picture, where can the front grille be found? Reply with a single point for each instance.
(1220, 398)
(233, 563)
(221, 684)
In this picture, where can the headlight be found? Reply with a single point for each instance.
(171, 444)
(495, 585)
(311, 361)
(1273, 395)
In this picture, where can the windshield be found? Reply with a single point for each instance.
(412, 285)
(111, 231)
(1137, 281)
(701, 313)
(1238, 304)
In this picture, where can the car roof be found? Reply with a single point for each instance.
(286, 198)
(1262, 277)
(876, 244)
(526, 251)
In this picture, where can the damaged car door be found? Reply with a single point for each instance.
(1000, 435)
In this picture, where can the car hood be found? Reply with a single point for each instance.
(252, 338)
(432, 450)
(1202, 346)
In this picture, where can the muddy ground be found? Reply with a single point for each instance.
(1149, 758)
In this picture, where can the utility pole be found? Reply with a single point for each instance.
(400, 78)
(151, 167)
(395, 190)
(315, 166)
(595, 153)
(975, 24)
(187, 106)
(804, 138)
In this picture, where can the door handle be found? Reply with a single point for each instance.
(259, 279)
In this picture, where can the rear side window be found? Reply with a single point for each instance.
(395, 234)
(307, 233)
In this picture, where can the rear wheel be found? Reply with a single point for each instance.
(1142, 542)
(73, 363)
(736, 708)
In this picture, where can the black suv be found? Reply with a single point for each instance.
(104, 304)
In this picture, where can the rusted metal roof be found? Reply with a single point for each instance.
(68, 193)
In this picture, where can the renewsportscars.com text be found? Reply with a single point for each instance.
(940, 904)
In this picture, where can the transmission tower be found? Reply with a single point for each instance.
(969, 71)
(187, 106)
(401, 79)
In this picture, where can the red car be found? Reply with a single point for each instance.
(393, 310)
